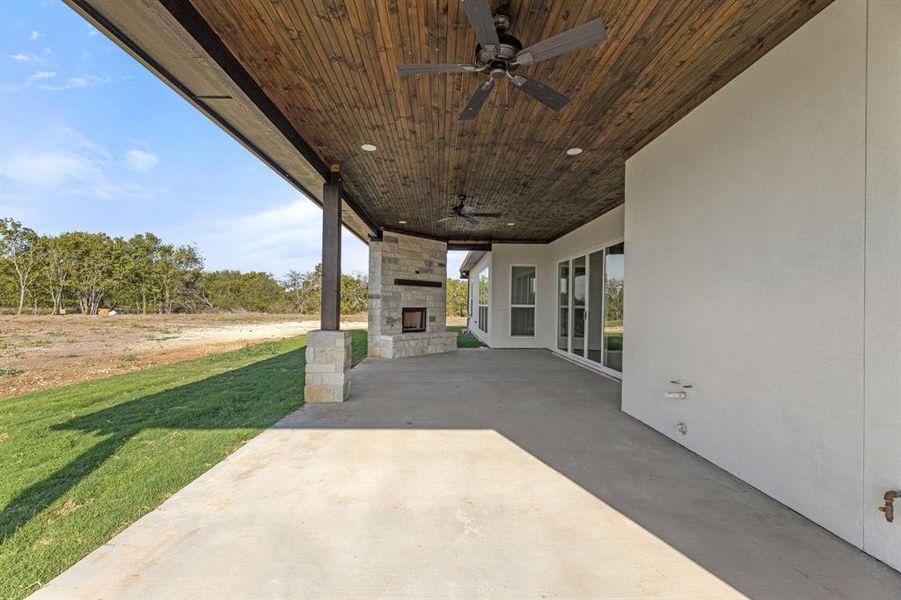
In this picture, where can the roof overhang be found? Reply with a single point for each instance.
(302, 84)
(197, 66)
(471, 260)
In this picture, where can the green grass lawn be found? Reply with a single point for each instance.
(466, 339)
(80, 463)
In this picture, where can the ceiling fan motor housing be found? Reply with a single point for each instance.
(506, 51)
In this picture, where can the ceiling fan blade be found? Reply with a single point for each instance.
(540, 91)
(492, 215)
(469, 219)
(436, 68)
(587, 34)
(478, 99)
(479, 14)
(443, 220)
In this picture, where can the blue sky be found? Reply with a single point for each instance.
(90, 140)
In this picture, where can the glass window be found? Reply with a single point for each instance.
(483, 299)
(595, 331)
(590, 306)
(522, 321)
(563, 306)
(614, 267)
(522, 288)
(522, 301)
(580, 285)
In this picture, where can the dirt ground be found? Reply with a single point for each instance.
(40, 352)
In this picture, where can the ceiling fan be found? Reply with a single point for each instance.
(499, 54)
(460, 210)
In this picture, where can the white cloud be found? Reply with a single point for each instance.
(39, 75)
(35, 35)
(76, 82)
(140, 161)
(33, 81)
(275, 240)
(29, 81)
(85, 144)
(69, 164)
(47, 169)
(27, 57)
(454, 260)
(284, 237)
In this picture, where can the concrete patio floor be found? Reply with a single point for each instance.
(477, 474)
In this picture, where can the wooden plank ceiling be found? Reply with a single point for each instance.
(330, 66)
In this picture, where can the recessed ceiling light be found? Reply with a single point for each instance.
(402, 222)
(368, 147)
(574, 151)
(510, 224)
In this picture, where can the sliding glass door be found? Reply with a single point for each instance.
(596, 307)
(579, 294)
(614, 271)
(590, 306)
(563, 306)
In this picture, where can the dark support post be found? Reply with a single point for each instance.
(331, 251)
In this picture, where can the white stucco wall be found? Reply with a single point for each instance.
(503, 257)
(603, 231)
(471, 322)
(882, 346)
(748, 236)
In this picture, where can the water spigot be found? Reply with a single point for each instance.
(888, 509)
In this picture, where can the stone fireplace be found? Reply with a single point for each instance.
(413, 320)
(407, 297)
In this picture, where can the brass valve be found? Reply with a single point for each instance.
(888, 509)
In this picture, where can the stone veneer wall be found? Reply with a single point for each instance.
(399, 256)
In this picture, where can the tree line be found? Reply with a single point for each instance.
(84, 271)
(457, 297)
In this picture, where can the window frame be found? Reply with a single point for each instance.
(533, 306)
(486, 270)
(617, 375)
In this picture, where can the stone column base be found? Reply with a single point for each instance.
(328, 366)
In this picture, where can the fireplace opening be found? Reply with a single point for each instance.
(413, 320)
